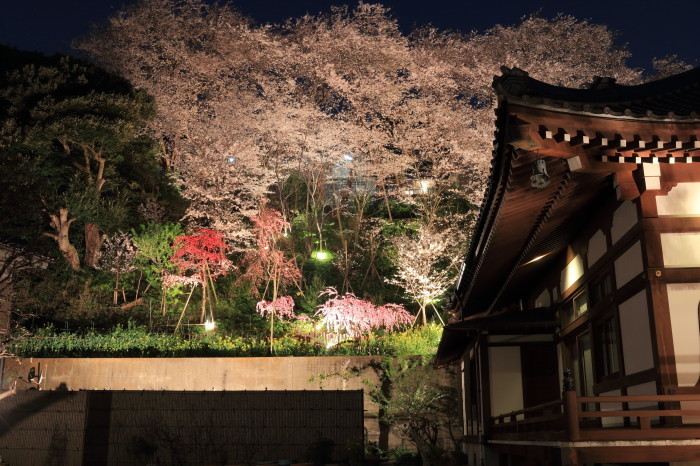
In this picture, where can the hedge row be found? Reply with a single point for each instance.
(135, 342)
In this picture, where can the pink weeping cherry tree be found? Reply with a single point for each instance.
(354, 317)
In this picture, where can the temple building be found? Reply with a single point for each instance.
(576, 318)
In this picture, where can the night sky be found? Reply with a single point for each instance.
(650, 28)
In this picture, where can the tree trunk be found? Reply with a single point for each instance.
(345, 267)
(386, 201)
(203, 317)
(93, 243)
(61, 224)
(115, 296)
(272, 332)
(272, 313)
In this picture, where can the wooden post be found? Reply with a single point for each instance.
(570, 407)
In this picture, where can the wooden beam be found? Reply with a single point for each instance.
(545, 133)
(659, 309)
(562, 136)
(580, 138)
(596, 142)
(673, 145)
(679, 275)
(638, 454)
(692, 145)
(676, 433)
(618, 143)
(636, 144)
(671, 224)
(654, 144)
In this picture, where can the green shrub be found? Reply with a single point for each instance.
(135, 341)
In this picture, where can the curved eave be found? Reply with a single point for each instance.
(673, 99)
(583, 150)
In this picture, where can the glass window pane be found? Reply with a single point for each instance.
(581, 304)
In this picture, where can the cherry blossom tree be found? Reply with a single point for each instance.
(230, 115)
(282, 307)
(347, 314)
(427, 263)
(562, 51)
(241, 106)
(251, 113)
(118, 257)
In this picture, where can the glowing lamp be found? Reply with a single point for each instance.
(320, 255)
(230, 159)
(209, 325)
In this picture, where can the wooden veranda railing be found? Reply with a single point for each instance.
(585, 418)
(632, 424)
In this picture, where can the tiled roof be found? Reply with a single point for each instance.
(674, 98)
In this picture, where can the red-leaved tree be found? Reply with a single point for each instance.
(347, 314)
(200, 258)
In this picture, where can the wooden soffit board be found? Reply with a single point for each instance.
(587, 158)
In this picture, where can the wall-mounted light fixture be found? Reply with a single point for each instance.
(539, 178)
(230, 159)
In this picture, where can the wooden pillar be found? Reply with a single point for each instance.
(657, 295)
(570, 407)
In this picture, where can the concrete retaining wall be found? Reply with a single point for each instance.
(198, 374)
(123, 428)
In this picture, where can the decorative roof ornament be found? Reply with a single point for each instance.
(539, 178)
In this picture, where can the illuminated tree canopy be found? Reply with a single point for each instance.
(243, 106)
(331, 151)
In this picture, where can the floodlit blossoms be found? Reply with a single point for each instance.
(426, 264)
(347, 314)
(282, 307)
(243, 106)
(118, 254)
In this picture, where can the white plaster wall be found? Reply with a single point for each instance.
(681, 249)
(629, 265)
(648, 388)
(611, 421)
(683, 301)
(506, 385)
(682, 201)
(572, 272)
(543, 300)
(636, 334)
(624, 218)
(596, 247)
